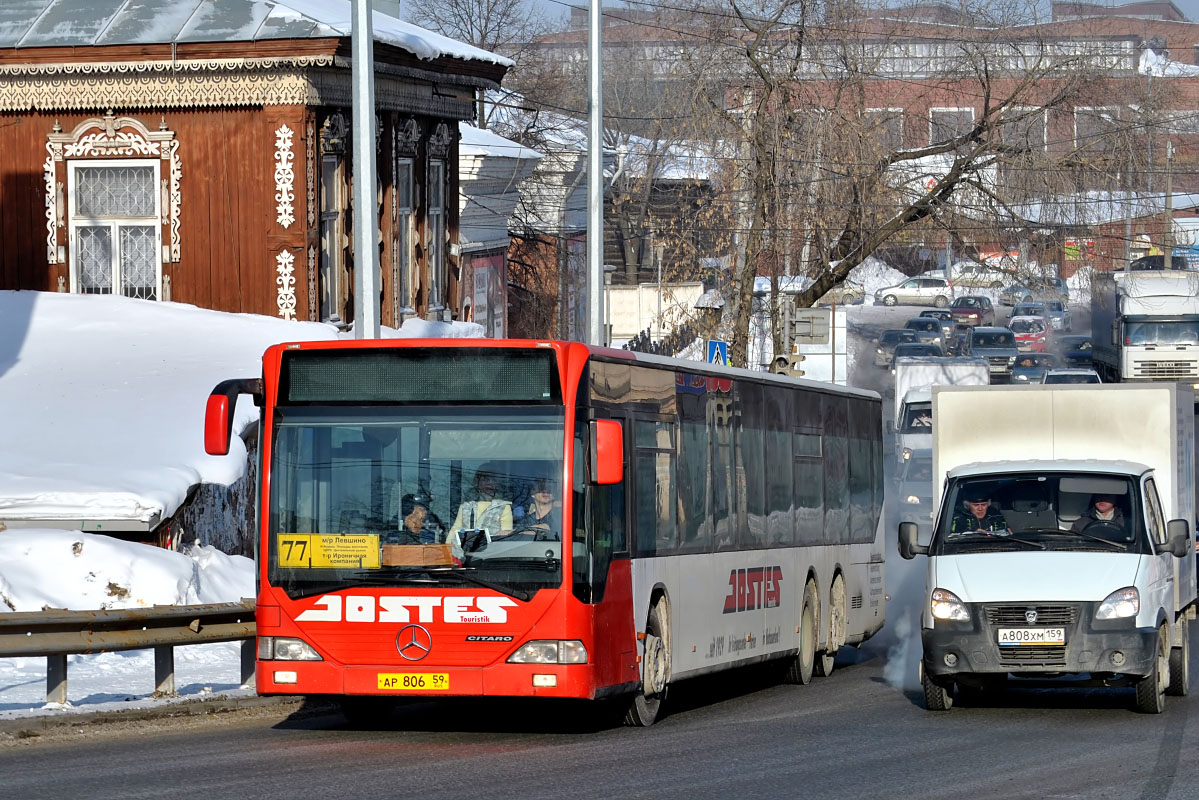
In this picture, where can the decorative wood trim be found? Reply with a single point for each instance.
(285, 266)
(112, 136)
(312, 307)
(51, 208)
(407, 138)
(440, 141)
(333, 135)
(310, 155)
(285, 178)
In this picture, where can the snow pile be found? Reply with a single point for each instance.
(873, 275)
(42, 569)
(1079, 285)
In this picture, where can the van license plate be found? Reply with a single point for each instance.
(1018, 636)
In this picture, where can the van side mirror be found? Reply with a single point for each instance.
(889, 426)
(1115, 333)
(1178, 538)
(607, 444)
(908, 548)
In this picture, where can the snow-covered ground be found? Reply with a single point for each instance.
(102, 401)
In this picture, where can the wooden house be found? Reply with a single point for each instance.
(200, 152)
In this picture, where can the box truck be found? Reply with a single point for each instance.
(1062, 544)
(914, 379)
(1145, 325)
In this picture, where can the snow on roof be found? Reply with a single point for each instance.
(1160, 66)
(83, 23)
(103, 399)
(479, 142)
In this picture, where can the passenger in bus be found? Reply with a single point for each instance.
(542, 515)
(486, 511)
(976, 515)
(419, 525)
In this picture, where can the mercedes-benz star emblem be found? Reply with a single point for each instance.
(1030, 616)
(414, 642)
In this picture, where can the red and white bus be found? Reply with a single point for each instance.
(416, 494)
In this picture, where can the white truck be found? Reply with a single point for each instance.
(1145, 325)
(914, 379)
(1068, 551)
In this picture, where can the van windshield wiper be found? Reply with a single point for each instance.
(1060, 532)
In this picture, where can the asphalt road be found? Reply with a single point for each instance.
(851, 735)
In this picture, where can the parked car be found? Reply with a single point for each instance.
(915, 350)
(997, 346)
(973, 310)
(884, 345)
(1038, 289)
(1031, 367)
(976, 275)
(847, 293)
(917, 292)
(1075, 350)
(1032, 333)
(1071, 376)
(927, 330)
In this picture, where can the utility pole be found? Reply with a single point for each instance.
(595, 177)
(1168, 236)
(366, 215)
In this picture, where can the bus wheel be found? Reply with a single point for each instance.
(1151, 689)
(836, 629)
(1180, 664)
(804, 665)
(655, 671)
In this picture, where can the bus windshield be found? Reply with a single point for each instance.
(418, 496)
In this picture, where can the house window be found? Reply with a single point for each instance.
(949, 123)
(331, 254)
(437, 234)
(402, 277)
(116, 219)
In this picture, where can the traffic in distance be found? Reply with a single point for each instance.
(547, 519)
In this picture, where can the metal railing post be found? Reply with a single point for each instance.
(164, 671)
(248, 654)
(56, 679)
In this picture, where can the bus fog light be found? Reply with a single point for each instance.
(1118, 658)
(285, 676)
(545, 681)
(951, 660)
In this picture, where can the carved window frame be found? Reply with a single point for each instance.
(112, 137)
(332, 212)
(437, 181)
(407, 140)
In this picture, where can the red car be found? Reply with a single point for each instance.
(973, 310)
(1032, 333)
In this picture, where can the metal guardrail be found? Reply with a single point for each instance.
(57, 634)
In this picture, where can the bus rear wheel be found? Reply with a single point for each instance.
(803, 666)
(836, 629)
(655, 671)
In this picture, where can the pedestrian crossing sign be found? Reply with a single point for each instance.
(718, 352)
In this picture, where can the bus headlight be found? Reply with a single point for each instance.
(550, 651)
(281, 648)
(946, 605)
(1119, 604)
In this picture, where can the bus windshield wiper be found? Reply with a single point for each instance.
(465, 577)
(382, 577)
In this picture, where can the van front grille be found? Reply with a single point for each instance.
(1057, 615)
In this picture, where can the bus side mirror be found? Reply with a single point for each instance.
(218, 414)
(607, 443)
(907, 541)
(1178, 537)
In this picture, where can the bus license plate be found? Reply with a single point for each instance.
(1018, 636)
(414, 681)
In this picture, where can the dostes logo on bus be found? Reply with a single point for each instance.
(400, 608)
(755, 587)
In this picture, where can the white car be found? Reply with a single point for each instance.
(1071, 376)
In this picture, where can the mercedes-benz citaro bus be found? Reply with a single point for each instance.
(547, 519)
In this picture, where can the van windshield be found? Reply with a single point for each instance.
(1042, 512)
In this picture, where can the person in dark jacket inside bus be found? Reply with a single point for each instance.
(419, 525)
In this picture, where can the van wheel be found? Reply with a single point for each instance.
(1151, 689)
(936, 696)
(1180, 665)
(803, 666)
(836, 629)
(655, 671)
(890, 300)
(940, 301)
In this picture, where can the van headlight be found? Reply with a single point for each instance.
(911, 500)
(946, 605)
(1120, 604)
(282, 648)
(550, 651)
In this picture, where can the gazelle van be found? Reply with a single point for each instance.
(1066, 555)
